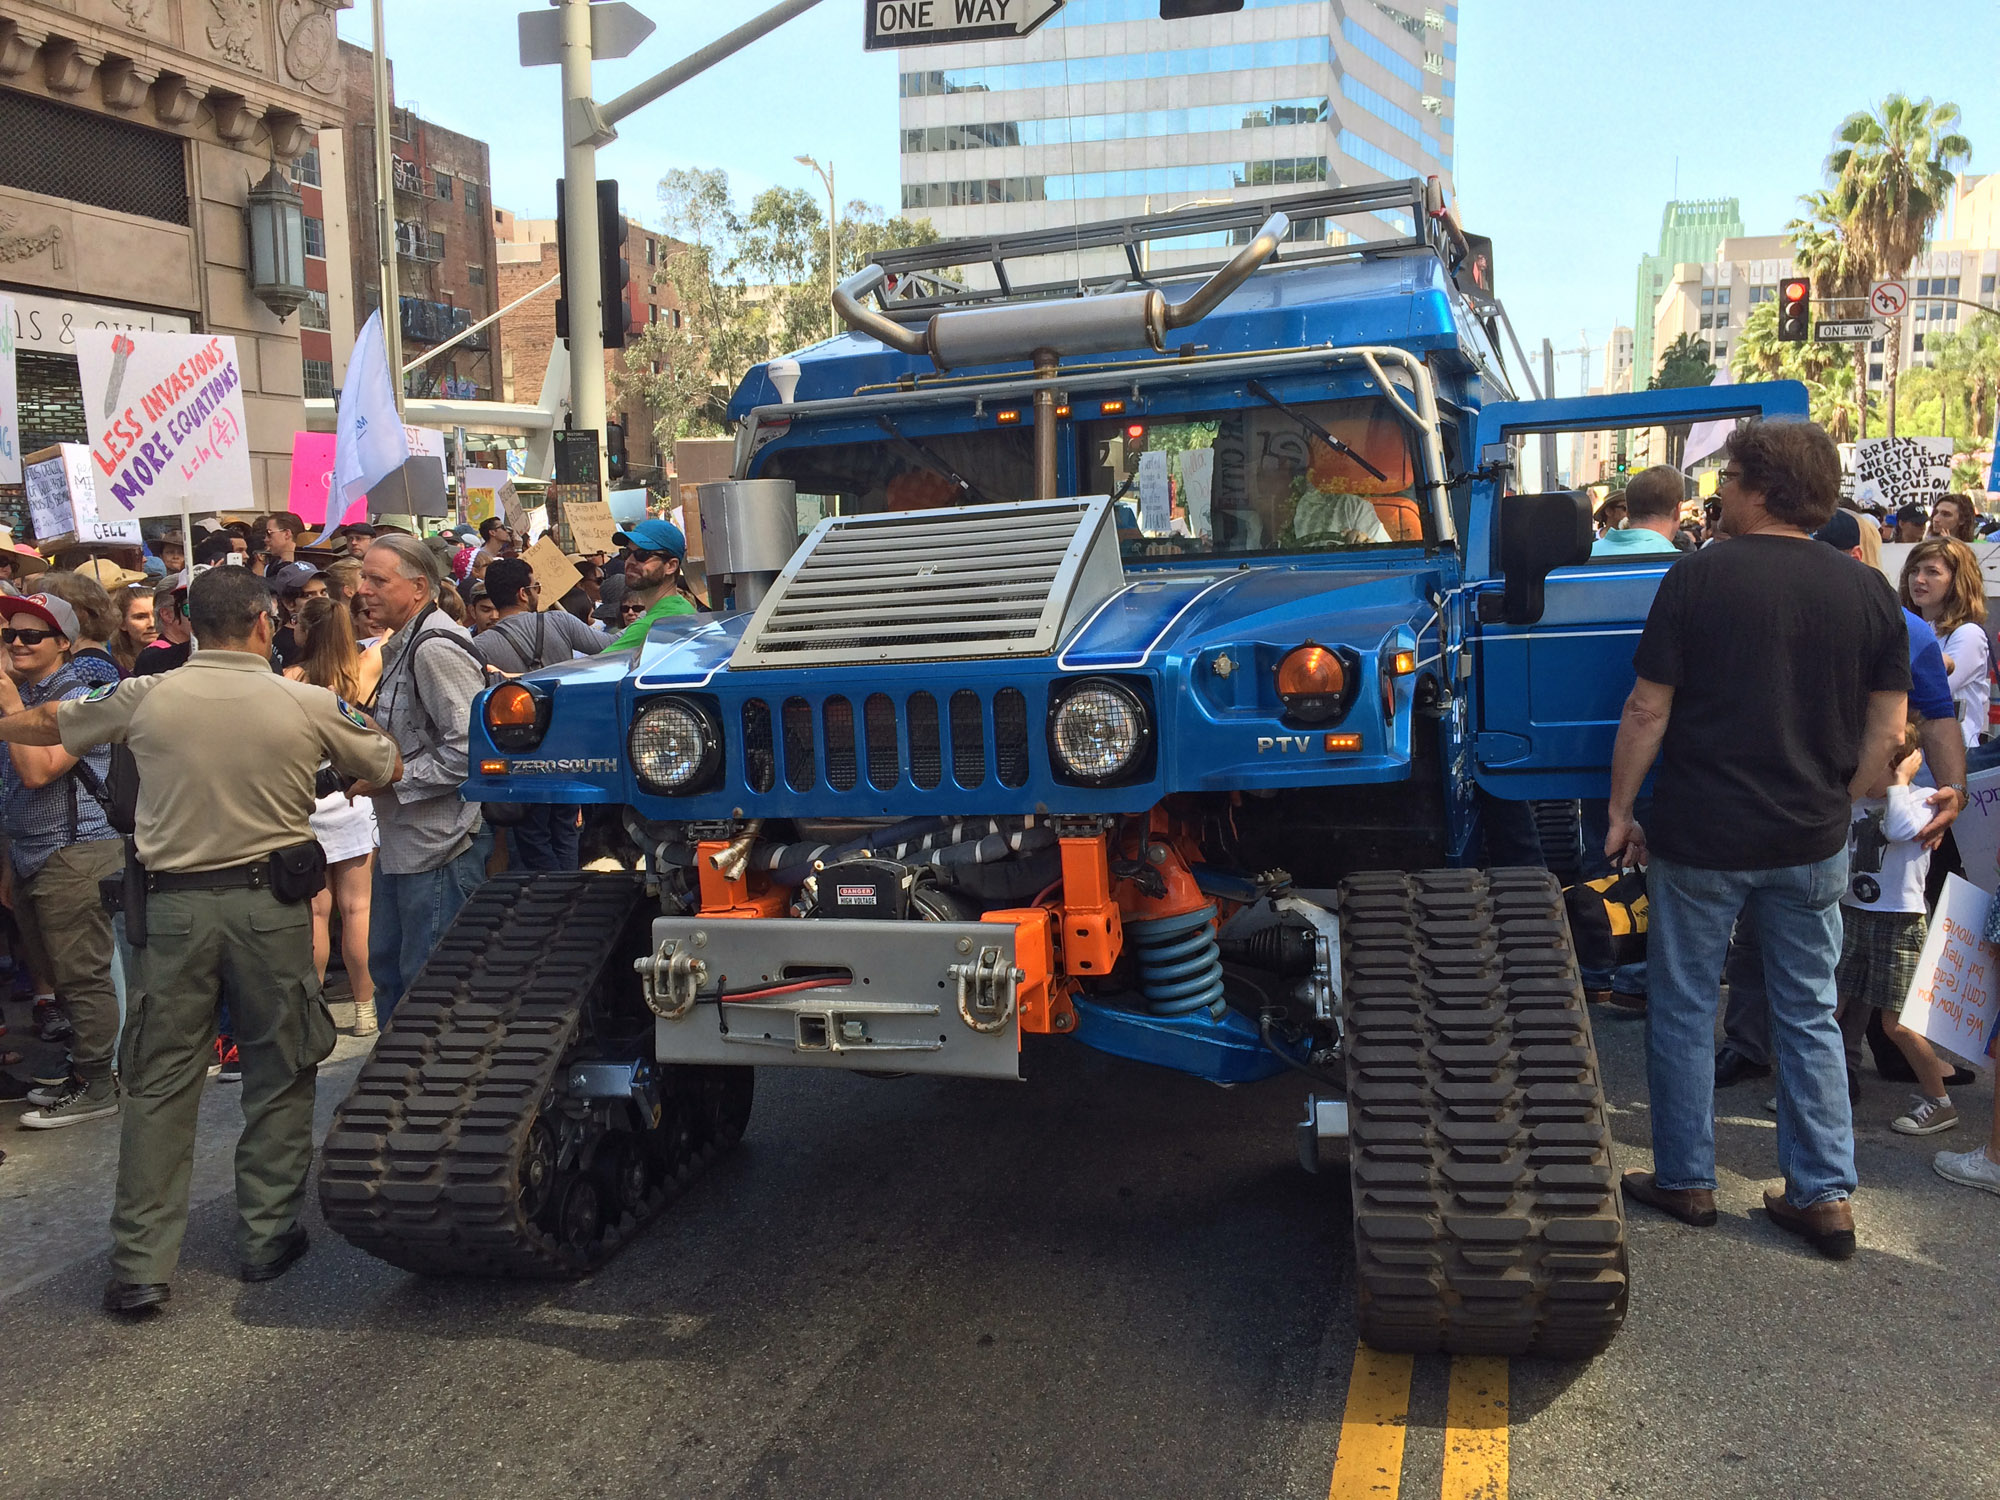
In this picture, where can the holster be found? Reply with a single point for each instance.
(134, 896)
(298, 873)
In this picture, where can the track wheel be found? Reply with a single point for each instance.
(537, 1171)
(582, 1215)
(1486, 1220)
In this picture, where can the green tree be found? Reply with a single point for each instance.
(1833, 265)
(1685, 363)
(1892, 173)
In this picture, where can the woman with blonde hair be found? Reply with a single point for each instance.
(1942, 582)
(345, 828)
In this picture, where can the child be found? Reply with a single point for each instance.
(1882, 913)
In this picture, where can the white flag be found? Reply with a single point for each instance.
(369, 443)
(1708, 437)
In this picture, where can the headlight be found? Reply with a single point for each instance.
(1315, 683)
(676, 746)
(1099, 731)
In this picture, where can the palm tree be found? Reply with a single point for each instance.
(1892, 172)
(1826, 256)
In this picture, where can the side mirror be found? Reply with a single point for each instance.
(1535, 535)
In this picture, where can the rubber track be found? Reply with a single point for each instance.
(1486, 1219)
(421, 1165)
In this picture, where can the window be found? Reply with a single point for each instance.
(1986, 285)
(472, 197)
(1916, 343)
(313, 311)
(1708, 320)
(316, 237)
(1875, 347)
(306, 168)
(677, 317)
(652, 312)
(1721, 349)
(443, 180)
(1708, 296)
(475, 275)
(1875, 371)
(1952, 287)
(1722, 296)
(319, 378)
(652, 250)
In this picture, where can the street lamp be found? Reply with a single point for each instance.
(832, 213)
(276, 217)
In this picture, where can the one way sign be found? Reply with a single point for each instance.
(927, 23)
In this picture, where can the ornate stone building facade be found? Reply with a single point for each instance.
(133, 131)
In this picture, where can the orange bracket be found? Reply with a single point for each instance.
(725, 898)
(1041, 995)
(1092, 932)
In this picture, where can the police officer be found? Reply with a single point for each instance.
(227, 754)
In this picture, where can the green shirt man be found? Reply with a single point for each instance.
(652, 576)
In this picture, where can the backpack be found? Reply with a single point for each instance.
(500, 814)
(1607, 919)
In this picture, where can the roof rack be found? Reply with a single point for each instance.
(919, 286)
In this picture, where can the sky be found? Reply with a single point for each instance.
(1577, 120)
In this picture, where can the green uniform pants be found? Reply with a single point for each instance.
(68, 935)
(203, 947)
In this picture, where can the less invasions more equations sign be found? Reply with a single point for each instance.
(165, 417)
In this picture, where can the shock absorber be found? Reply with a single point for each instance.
(1180, 966)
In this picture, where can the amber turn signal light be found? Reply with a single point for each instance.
(1404, 663)
(1312, 683)
(511, 706)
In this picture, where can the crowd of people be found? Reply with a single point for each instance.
(354, 613)
(1811, 728)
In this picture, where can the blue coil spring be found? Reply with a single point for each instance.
(1180, 967)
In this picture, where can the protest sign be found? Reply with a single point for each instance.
(1955, 1000)
(10, 400)
(1156, 512)
(62, 501)
(590, 526)
(1978, 829)
(555, 573)
(165, 416)
(483, 489)
(1197, 475)
(1901, 471)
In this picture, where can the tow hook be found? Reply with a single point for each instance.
(986, 990)
(671, 978)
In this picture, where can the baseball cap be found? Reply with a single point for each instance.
(1841, 530)
(1913, 513)
(106, 573)
(291, 578)
(60, 617)
(653, 536)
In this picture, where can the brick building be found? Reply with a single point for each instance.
(444, 236)
(129, 137)
(525, 258)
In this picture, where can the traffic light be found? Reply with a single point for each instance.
(1795, 311)
(1180, 10)
(613, 270)
(614, 451)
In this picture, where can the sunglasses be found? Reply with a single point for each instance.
(657, 556)
(11, 636)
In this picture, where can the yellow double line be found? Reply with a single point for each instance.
(1370, 1461)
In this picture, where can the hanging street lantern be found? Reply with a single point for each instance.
(276, 216)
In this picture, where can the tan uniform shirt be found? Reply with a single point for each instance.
(228, 751)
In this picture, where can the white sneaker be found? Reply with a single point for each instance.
(79, 1101)
(364, 1018)
(1973, 1169)
(1926, 1116)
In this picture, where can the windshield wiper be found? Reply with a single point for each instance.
(1259, 390)
(929, 460)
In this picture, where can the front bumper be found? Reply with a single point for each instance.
(880, 996)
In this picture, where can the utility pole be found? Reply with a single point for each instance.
(584, 290)
(1548, 438)
(385, 215)
(832, 258)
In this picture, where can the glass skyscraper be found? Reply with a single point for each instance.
(1108, 111)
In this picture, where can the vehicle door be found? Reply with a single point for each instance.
(1548, 693)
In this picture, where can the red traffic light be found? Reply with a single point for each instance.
(1135, 430)
(1796, 291)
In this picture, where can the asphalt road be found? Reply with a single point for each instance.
(1109, 1281)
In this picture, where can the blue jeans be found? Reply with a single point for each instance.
(546, 839)
(409, 913)
(1797, 908)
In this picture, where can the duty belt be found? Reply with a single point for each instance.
(255, 877)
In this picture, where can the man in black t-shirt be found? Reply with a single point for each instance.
(1772, 678)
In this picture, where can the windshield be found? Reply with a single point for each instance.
(1259, 479)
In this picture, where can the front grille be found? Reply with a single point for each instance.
(801, 773)
(760, 753)
(878, 732)
(968, 738)
(926, 742)
(841, 771)
(889, 741)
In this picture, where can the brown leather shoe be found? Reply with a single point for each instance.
(1828, 1227)
(1631, 1004)
(1597, 997)
(1694, 1206)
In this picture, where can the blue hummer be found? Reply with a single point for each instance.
(1155, 649)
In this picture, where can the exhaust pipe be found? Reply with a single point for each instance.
(1057, 327)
